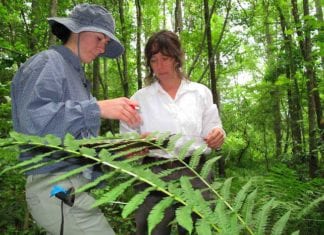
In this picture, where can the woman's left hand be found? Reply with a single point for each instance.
(215, 138)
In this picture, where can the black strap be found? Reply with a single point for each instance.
(62, 219)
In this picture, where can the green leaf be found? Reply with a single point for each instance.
(70, 143)
(225, 191)
(203, 228)
(249, 206)
(184, 218)
(241, 195)
(88, 151)
(263, 216)
(104, 155)
(208, 166)
(185, 184)
(53, 140)
(185, 149)
(134, 203)
(157, 213)
(195, 156)
(310, 207)
(172, 142)
(95, 182)
(279, 226)
(19, 137)
(112, 194)
(33, 160)
(71, 173)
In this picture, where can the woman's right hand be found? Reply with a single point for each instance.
(120, 108)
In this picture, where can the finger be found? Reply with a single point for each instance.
(131, 117)
(215, 140)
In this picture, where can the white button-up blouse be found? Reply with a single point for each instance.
(192, 114)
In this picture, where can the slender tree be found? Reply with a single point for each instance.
(305, 45)
(138, 43)
(53, 13)
(293, 96)
(124, 77)
(275, 93)
(178, 17)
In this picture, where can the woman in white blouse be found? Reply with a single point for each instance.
(171, 103)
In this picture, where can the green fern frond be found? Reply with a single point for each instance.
(225, 190)
(70, 143)
(135, 201)
(185, 149)
(241, 195)
(38, 165)
(53, 140)
(205, 171)
(311, 206)
(72, 173)
(95, 182)
(295, 233)
(172, 142)
(110, 152)
(18, 137)
(162, 139)
(88, 151)
(170, 171)
(196, 156)
(262, 218)
(233, 227)
(157, 213)
(184, 218)
(221, 215)
(31, 161)
(114, 193)
(185, 184)
(279, 226)
(203, 228)
(249, 207)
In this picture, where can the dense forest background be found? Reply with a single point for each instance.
(262, 60)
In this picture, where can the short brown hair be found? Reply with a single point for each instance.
(167, 43)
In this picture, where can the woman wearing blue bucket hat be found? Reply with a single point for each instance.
(51, 95)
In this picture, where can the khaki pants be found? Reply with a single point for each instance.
(79, 219)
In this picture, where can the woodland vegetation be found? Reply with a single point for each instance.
(262, 60)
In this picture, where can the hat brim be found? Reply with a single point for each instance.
(113, 49)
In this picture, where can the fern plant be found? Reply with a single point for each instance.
(225, 214)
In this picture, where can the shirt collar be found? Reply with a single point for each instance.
(185, 86)
(69, 56)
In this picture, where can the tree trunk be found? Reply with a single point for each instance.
(319, 113)
(178, 17)
(275, 94)
(305, 46)
(53, 13)
(221, 162)
(125, 79)
(310, 75)
(292, 94)
(319, 17)
(138, 43)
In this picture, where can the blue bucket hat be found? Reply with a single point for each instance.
(93, 18)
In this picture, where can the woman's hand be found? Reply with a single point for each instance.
(122, 109)
(215, 138)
